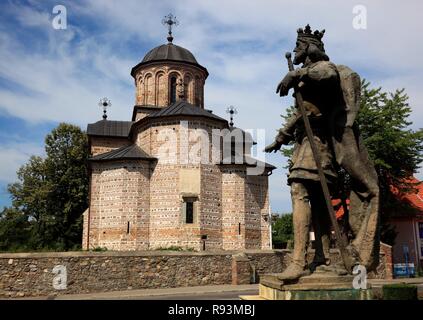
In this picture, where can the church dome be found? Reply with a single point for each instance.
(169, 51)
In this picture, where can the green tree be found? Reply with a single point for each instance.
(66, 173)
(52, 192)
(394, 148)
(14, 230)
(282, 230)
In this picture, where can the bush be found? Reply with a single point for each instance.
(399, 291)
(99, 249)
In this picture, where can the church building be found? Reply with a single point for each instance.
(146, 192)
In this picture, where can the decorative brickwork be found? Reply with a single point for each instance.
(105, 144)
(153, 83)
(119, 205)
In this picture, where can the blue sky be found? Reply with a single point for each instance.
(49, 76)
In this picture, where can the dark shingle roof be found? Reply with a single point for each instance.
(169, 52)
(186, 109)
(109, 128)
(124, 153)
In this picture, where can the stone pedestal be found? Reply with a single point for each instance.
(318, 286)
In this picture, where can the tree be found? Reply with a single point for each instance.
(66, 173)
(52, 192)
(394, 148)
(14, 230)
(282, 230)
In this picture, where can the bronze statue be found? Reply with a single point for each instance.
(326, 140)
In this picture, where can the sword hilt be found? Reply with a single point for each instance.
(290, 64)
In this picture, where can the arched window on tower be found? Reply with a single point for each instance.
(172, 89)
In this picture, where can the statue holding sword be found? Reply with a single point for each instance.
(327, 99)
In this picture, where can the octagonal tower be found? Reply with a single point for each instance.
(167, 74)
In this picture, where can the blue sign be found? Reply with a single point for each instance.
(404, 269)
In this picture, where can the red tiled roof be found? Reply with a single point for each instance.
(339, 208)
(415, 197)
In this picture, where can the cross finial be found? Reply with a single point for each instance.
(104, 103)
(231, 110)
(170, 20)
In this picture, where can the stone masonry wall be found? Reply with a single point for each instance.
(105, 144)
(257, 219)
(31, 274)
(119, 208)
(233, 207)
(211, 209)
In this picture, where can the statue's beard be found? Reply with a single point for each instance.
(299, 58)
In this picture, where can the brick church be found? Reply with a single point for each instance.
(146, 192)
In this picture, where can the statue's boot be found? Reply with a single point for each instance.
(337, 269)
(317, 262)
(294, 271)
(322, 244)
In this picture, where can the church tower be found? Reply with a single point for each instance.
(167, 74)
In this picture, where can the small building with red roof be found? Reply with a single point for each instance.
(408, 247)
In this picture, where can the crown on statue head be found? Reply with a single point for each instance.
(307, 35)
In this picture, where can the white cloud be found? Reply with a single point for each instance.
(12, 157)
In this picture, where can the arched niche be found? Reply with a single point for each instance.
(160, 89)
(149, 89)
(189, 87)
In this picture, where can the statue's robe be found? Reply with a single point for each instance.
(351, 154)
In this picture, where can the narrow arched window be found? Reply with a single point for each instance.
(173, 89)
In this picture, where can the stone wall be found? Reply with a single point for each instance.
(105, 144)
(119, 208)
(31, 274)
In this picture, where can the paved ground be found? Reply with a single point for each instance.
(221, 292)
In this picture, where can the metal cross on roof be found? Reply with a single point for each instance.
(104, 103)
(170, 20)
(231, 110)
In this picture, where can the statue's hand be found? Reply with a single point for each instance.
(273, 147)
(287, 83)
